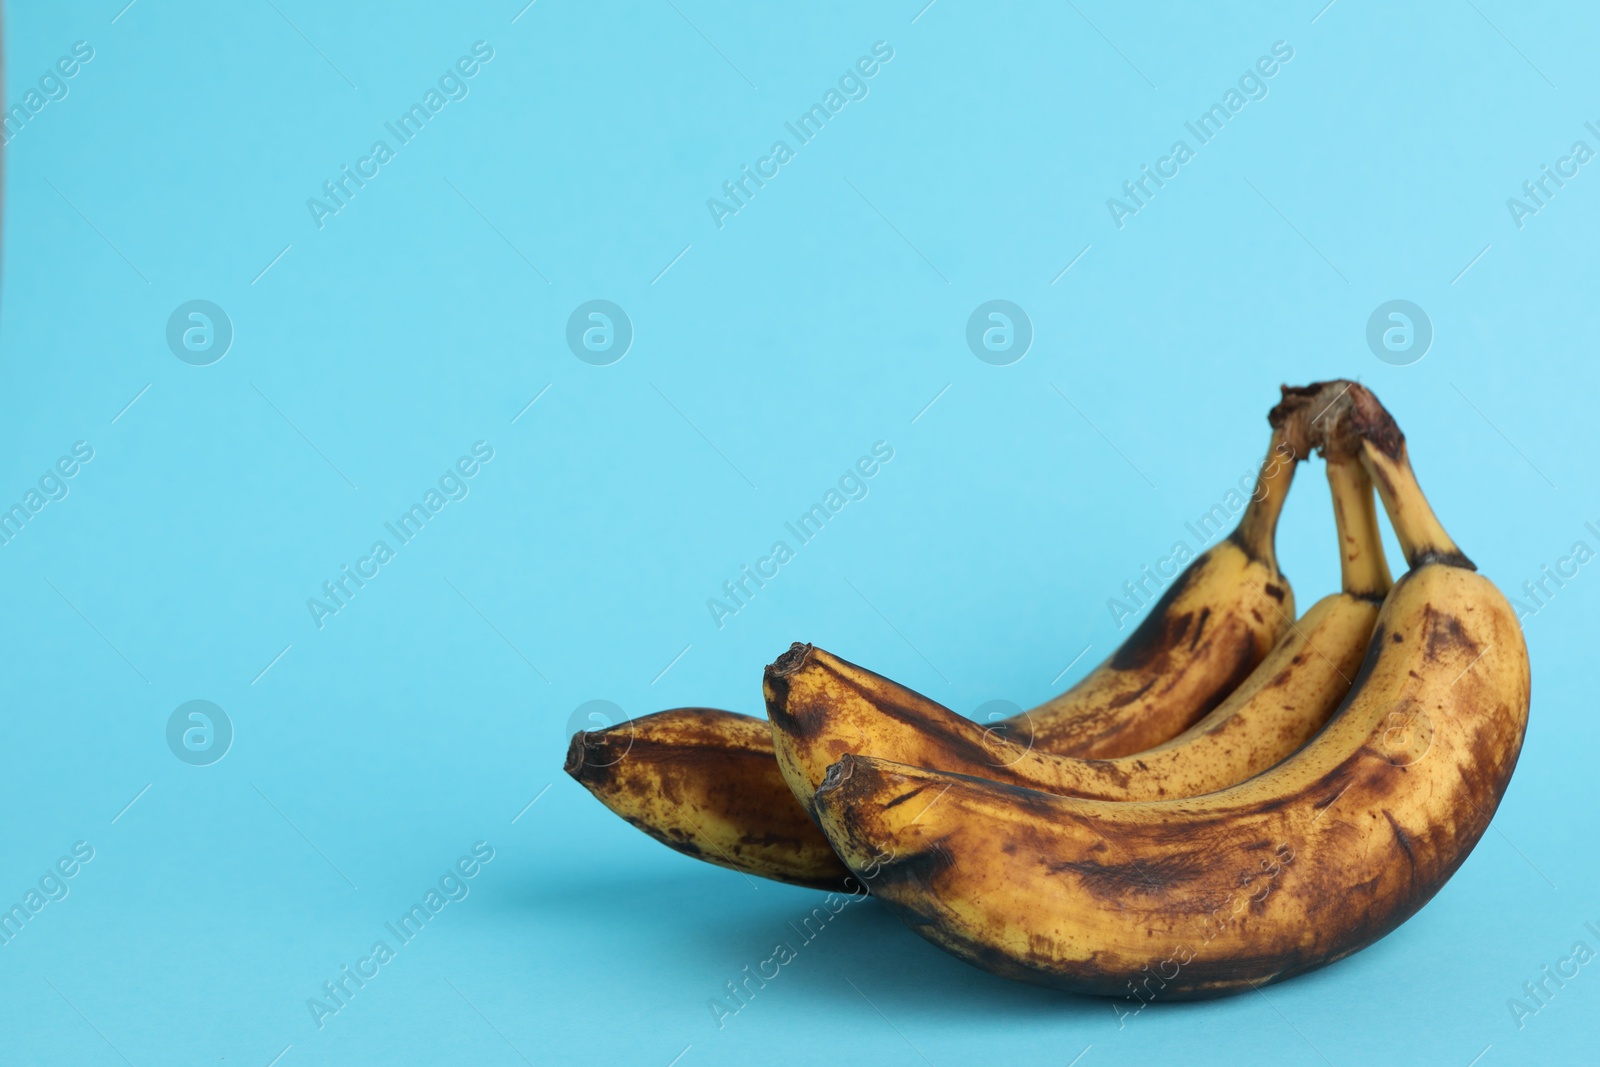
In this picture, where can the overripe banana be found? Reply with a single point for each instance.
(703, 782)
(822, 707)
(1293, 869)
(1210, 628)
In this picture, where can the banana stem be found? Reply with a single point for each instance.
(1258, 527)
(1350, 422)
(1422, 537)
(1363, 570)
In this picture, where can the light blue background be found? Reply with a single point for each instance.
(825, 316)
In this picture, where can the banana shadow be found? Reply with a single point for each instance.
(706, 928)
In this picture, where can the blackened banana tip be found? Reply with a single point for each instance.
(837, 774)
(575, 751)
(790, 661)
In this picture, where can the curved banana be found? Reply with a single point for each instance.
(1216, 621)
(822, 707)
(1293, 869)
(703, 782)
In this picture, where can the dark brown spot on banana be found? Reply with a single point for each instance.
(1124, 699)
(1446, 634)
(1404, 841)
(901, 799)
(1156, 876)
(1200, 627)
(1159, 631)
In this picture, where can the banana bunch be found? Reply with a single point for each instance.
(1234, 797)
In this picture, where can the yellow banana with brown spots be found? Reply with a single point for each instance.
(1293, 869)
(703, 782)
